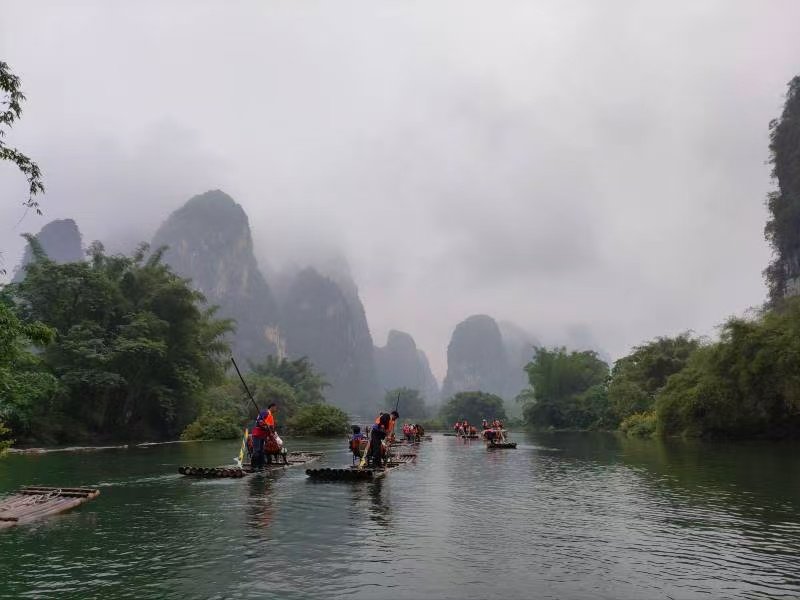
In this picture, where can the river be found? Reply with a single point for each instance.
(562, 516)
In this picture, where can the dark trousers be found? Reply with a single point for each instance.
(375, 451)
(257, 462)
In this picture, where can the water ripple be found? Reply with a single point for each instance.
(560, 517)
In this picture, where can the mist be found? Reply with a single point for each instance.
(594, 172)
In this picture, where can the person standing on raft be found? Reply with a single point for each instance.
(378, 433)
(264, 435)
(393, 417)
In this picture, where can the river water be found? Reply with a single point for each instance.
(562, 516)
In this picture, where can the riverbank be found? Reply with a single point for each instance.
(47, 450)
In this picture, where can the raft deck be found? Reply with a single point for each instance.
(36, 502)
(354, 473)
(293, 459)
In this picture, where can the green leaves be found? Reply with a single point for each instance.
(212, 426)
(638, 377)
(319, 419)
(293, 384)
(473, 406)
(567, 390)
(129, 342)
(12, 99)
(746, 385)
(5, 438)
(411, 406)
(24, 384)
(307, 385)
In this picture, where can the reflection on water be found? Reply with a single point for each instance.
(564, 515)
(262, 501)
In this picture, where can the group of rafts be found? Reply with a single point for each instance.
(373, 454)
(375, 451)
(492, 432)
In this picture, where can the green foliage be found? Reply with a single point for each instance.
(292, 384)
(11, 97)
(567, 390)
(411, 405)
(473, 406)
(639, 425)
(5, 438)
(637, 378)
(557, 374)
(319, 419)
(434, 424)
(783, 227)
(25, 385)
(133, 347)
(308, 385)
(211, 426)
(746, 385)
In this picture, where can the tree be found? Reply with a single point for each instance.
(567, 390)
(411, 405)
(11, 103)
(25, 384)
(783, 227)
(134, 346)
(637, 378)
(11, 99)
(5, 439)
(746, 385)
(308, 385)
(473, 406)
(319, 419)
(292, 384)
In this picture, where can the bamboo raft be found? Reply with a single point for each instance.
(354, 473)
(293, 459)
(36, 502)
(404, 442)
(500, 445)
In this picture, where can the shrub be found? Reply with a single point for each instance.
(212, 426)
(5, 441)
(473, 406)
(319, 419)
(641, 425)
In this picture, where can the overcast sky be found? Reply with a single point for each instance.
(585, 169)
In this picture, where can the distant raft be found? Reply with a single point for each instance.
(354, 473)
(36, 502)
(501, 445)
(293, 459)
(413, 441)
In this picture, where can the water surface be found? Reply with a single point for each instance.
(563, 516)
